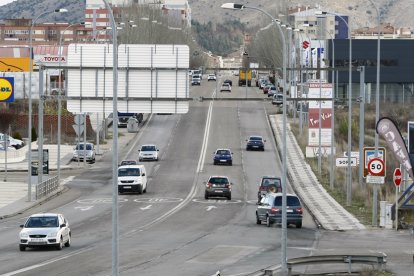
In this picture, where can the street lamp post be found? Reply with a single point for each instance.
(29, 130)
(284, 150)
(60, 96)
(375, 195)
(115, 229)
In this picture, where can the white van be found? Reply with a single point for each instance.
(132, 179)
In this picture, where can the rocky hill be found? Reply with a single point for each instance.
(396, 12)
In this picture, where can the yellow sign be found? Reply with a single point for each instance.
(6, 89)
(14, 64)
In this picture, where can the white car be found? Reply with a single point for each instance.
(46, 229)
(132, 179)
(148, 152)
(12, 142)
(84, 151)
(211, 77)
(225, 87)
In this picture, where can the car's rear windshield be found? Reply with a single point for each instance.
(255, 138)
(219, 180)
(271, 181)
(39, 222)
(128, 172)
(223, 152)
(128, 162)
(80, 147)
(290, 201)
(148, 148)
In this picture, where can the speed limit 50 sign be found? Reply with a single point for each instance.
(376, 167)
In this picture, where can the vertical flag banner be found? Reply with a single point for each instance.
(392, 135)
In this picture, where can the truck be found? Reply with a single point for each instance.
(242, 77)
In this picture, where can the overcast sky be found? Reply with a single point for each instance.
(4, 2)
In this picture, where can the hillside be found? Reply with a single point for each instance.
(396, 12)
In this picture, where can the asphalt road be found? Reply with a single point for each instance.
(172, 229)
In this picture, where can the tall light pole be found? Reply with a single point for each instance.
(349, 184)
(115, 229)
(377, 89)
(62, 34)
(29, 130)
(284, 151)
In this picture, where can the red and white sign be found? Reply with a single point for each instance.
(376, 167)
(305, 44)
(397, 176)
(326, 118)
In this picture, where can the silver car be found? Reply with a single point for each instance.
(46, 229)
(84, 151)
(148, 152)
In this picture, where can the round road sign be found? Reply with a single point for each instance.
(397, 176)
(376, 167)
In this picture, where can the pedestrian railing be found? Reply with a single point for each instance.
(375, 259)
(46, 187)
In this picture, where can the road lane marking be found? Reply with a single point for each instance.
(84, 208)
(209, 208)
(205, 139)
(146, 207)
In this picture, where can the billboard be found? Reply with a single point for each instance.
(151, 78)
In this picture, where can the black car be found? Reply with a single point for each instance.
(270, 210)
(255, 142)
(229, 82)
(218, 186)
(223, 156)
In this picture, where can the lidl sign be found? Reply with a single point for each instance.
(7, 89)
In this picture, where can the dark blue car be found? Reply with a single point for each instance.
(223, 156)
(255, 143)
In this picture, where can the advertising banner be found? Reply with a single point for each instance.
(326, 118)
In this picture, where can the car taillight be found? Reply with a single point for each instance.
(299, 210)
(209, 185)
(227, 185)
(275, 210)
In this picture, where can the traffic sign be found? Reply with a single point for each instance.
(397, 176)
(376, 167)
(343, 162)
(369, 154)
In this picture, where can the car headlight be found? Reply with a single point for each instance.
(24, 235)
(52, 234)
(137, 182)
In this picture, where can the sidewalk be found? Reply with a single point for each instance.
(14, 193)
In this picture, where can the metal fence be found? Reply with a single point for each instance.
(46, 187)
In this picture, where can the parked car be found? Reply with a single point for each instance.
(218, 186)
(195, 80)
(148, 152)
(269, 210)
(277, 99)
(267, 87)
(84, 151)
(272, 184)
(12, 142)
(225, 87)
(223, 156)
(255, 142)
(272, 91)
(129, 162)
(211, 77)
(229, 82)
(132, 179)
(263, 83)
(46, 229)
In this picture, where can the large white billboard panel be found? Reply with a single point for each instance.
(156, 72)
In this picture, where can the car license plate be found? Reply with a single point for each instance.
(222, 160)
(218, 191)
(126, 187)
(289, 211)
(36, 240)
(255, 146)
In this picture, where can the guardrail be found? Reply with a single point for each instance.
(46, 187)
(379, 259)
